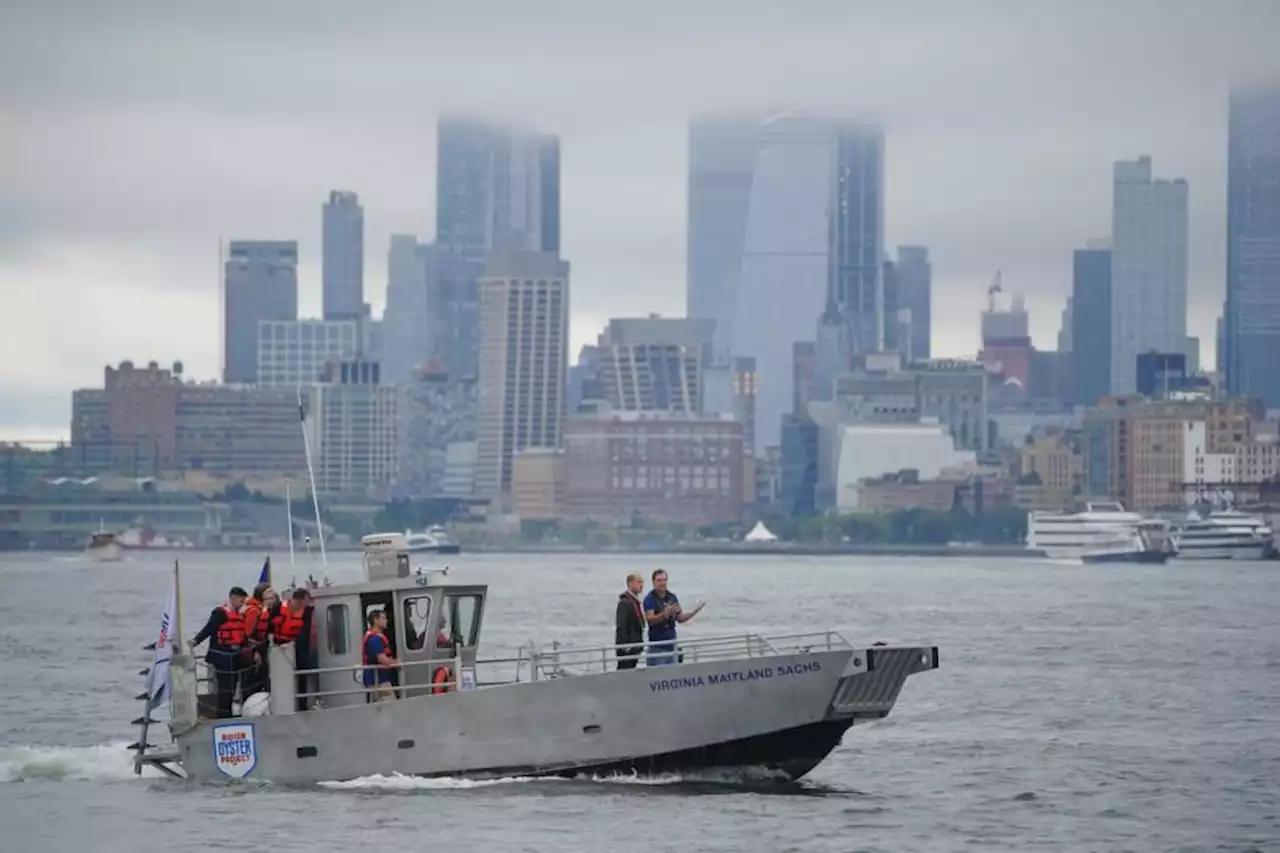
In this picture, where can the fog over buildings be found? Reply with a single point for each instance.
(138, 135)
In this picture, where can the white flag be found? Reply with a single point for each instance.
(158, 678)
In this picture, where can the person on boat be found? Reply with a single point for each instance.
(628, 632)
(226, 636)
(294, 625)
(662, 612)
(378, 661)
(257, 628)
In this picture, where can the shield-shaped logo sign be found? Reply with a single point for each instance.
(234, 749)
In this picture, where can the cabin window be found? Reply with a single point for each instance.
(462, 621)
(417, 615)
(335, 623)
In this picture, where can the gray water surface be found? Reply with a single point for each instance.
(1077, 708)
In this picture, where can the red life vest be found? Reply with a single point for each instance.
(256, 621)
(290, 624)
(364, 647)
(440, 681)
(231, 632)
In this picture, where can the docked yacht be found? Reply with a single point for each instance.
(1223, 535)
(433, 540)
(1103, 527)
(746, 703)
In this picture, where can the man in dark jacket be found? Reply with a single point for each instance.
(629, 624)
(225, 633)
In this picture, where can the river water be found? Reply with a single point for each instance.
(1077, 708)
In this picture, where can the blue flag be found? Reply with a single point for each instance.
(265, 575)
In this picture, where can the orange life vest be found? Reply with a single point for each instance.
(290, 624)
(231, 632)
(440, 681)
(256, 621)
(364, 646)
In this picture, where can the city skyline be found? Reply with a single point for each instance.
(114, 254)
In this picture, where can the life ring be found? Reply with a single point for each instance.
(440, 682)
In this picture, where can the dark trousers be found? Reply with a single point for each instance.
(628, 658)
(225, 679)
(256, 679)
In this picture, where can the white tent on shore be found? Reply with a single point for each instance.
(760, 533)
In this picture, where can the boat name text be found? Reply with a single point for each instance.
(785, 670)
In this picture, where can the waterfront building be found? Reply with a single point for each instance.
(295, 352)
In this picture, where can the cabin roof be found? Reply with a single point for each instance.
(426, 581)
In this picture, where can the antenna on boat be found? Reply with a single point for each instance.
(288, 513)
(311, 474)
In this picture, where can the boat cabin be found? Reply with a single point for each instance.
(432, 623)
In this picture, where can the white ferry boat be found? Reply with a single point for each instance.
(104, 547)
(1071, 536)
(1223, 535)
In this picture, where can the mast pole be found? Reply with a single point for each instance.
(311, 474)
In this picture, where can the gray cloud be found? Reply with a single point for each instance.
(136, 134)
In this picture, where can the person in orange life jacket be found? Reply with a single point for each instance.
(226, 636)
(628, 624)
(662, 611)
(293, 625)
(378, 660)
(257, 626)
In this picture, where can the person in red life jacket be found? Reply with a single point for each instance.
(628, 632)
(257, 627)
(226, 636)
(380, 664)
(294, 626)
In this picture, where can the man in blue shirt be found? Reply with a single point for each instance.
(662, 612)
(378, 660)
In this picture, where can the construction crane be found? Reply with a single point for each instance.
(996, 287)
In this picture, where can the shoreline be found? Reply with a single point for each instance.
(717, 549)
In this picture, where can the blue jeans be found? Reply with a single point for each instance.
(665, 654)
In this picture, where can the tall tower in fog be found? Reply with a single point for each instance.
(785, 216)
(497, 190)
(342, 270)
(1148, 269)
(1251, 321)
(260, 282)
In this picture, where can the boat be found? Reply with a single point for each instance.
(757, 707)
(433, 540)
(1225, 534)
(1138, 546)
(104, 547)
(1071, 535)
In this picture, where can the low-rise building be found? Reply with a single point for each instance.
(537, 483)
(657, 466)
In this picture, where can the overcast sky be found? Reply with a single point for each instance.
(133, 135)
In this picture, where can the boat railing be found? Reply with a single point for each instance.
(532, 663)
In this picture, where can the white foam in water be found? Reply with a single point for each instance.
(397, 782)
(104, 761)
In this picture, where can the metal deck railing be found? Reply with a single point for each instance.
(533, 663)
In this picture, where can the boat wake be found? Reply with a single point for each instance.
(54, 763)
(729, 779)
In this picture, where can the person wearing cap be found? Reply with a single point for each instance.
(226, 635)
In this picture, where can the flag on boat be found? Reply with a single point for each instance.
(158, 677)
(264, 576)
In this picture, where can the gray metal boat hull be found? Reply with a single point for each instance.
(781, 713)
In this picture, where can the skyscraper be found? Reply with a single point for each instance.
(342, 270)
(1251, 321)
(914, 275)
(406, 323)
(855, 280)
(260, 282)
(524, 350)
(783, 214)
(1148, 268)
(497, 189)
(1091, 325)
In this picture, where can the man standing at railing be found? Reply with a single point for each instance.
(379, 665)
(662, 612)
(628, 633)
